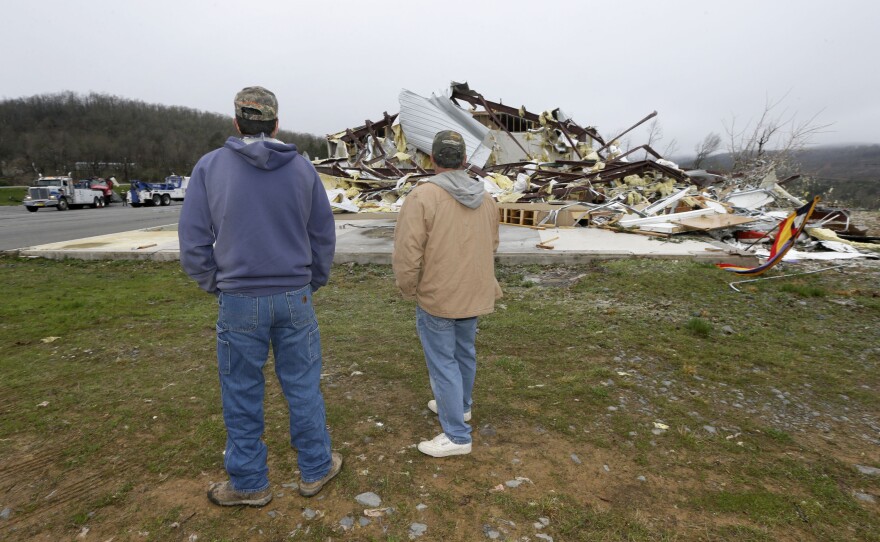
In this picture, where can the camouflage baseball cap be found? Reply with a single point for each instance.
(448, 149)
(256, 103)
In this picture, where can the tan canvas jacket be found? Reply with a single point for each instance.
(444, 253)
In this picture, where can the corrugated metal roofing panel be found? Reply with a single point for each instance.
(422, 118)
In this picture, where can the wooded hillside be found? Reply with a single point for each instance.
(102, 135)
(845, 176)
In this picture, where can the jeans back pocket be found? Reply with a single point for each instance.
(302, 312)
(237, 313)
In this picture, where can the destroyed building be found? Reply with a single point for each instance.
(546, 170)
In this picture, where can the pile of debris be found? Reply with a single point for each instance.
(546, 170)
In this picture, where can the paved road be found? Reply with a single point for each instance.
(20, 229)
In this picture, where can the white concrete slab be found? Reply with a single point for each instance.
(371, 241)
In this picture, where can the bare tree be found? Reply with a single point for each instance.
(670, 149)
(710, 144)
(655, 135)
(772, 141)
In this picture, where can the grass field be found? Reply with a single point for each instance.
(12, 195)
(633, 400)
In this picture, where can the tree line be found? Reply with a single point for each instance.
(99, 135)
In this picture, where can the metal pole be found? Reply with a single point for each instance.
(783, 276)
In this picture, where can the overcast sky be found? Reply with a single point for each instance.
(333, 64)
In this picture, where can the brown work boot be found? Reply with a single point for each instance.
(223, 494)
(310, 489)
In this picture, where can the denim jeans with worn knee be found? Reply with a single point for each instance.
(246, 326)
(451, 357)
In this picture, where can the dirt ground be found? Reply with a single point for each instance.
(461, 495)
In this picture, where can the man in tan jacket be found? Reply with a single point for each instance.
(444, 258)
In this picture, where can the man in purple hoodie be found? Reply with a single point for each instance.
(257, 231)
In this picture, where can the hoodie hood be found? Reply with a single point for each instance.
(268, 154)
(460, 186)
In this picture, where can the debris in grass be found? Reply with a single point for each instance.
(491, 533)
(417, 529)
(420, 507)
(865, 497)
(488, 430)
(44, 404)
(48, 340)
(369, 499)
(377, 512)
(576, 459)
(499, 487)
(4, 515)
(870, 471)
(308, 513)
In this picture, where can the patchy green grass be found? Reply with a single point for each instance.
(12, 195)
(110, 410)
(803, 290)
(699, 327)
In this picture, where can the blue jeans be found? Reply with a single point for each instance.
(452, 366)
(245, 328)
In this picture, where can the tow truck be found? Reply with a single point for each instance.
(106, 187)
(155, 194)
(63, 193)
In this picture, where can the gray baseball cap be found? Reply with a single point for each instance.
(256, 103)
(448, 149)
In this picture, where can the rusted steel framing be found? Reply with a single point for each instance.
(501, 125)
(354, 134)
(501, 108)
(645, 147)
(628, 130)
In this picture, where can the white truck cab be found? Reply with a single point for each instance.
(62, 193)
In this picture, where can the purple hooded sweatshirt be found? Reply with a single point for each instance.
(256, 221)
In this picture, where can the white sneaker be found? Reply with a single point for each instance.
(441, 446)
(432, 406)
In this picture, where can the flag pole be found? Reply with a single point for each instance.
(766, 234)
